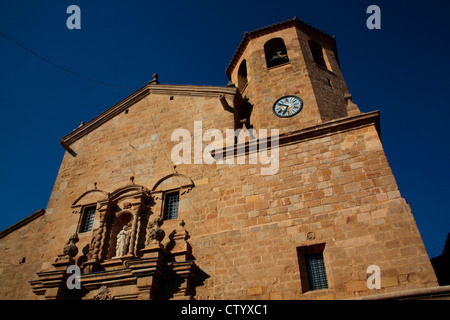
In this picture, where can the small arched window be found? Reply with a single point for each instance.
(171, 205)
(242, 76)
(275, 52)
(318, 54)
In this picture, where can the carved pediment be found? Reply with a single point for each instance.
(130, 195)
(172, 182)
(89, 197)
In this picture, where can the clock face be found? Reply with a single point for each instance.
(287, 106)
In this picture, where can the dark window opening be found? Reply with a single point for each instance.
(313, 274)
(317, 53)
(171, 203)
(88, 219)
(242, 76)
(275, 52)
(330, 83)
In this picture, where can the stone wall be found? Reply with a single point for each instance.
(246, 229)
(333, 191)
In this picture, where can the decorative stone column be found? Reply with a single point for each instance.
(131, 249)
(104, 207)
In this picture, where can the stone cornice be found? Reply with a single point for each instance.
(333, 127)
(434, 293)
(180, 90)
(316, 132)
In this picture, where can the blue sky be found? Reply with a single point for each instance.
(401, 70)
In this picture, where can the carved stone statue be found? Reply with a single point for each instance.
(123, 240)
(154, 231)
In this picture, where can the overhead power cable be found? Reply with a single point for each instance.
(61, 67)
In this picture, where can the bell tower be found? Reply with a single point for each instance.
(295, 61)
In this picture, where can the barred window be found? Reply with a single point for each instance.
(313, 275)
(88, 219)
(171, 205)
(317, 276)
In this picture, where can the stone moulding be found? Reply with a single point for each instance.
(86, 193)
(324, 129)
(333, 127)
(162, 89)
(434, 293)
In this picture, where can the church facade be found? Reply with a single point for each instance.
(125, 220)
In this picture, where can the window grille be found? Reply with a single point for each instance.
(317, 276)
(171, 206)
(88, 219)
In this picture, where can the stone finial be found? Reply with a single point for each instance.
(352, 108)
(132, 179)
(155, 79)
(348, 98)
(185, 233)
(70, 249)
(178, 234)
(178, 245)
(182, 224)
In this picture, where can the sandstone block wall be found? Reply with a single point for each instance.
(246, 229)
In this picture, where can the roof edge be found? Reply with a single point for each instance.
(22, 223)
(167, 89)
(265, 30)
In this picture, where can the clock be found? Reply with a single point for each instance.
(287, 106)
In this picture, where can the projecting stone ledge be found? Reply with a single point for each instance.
(434, 293)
